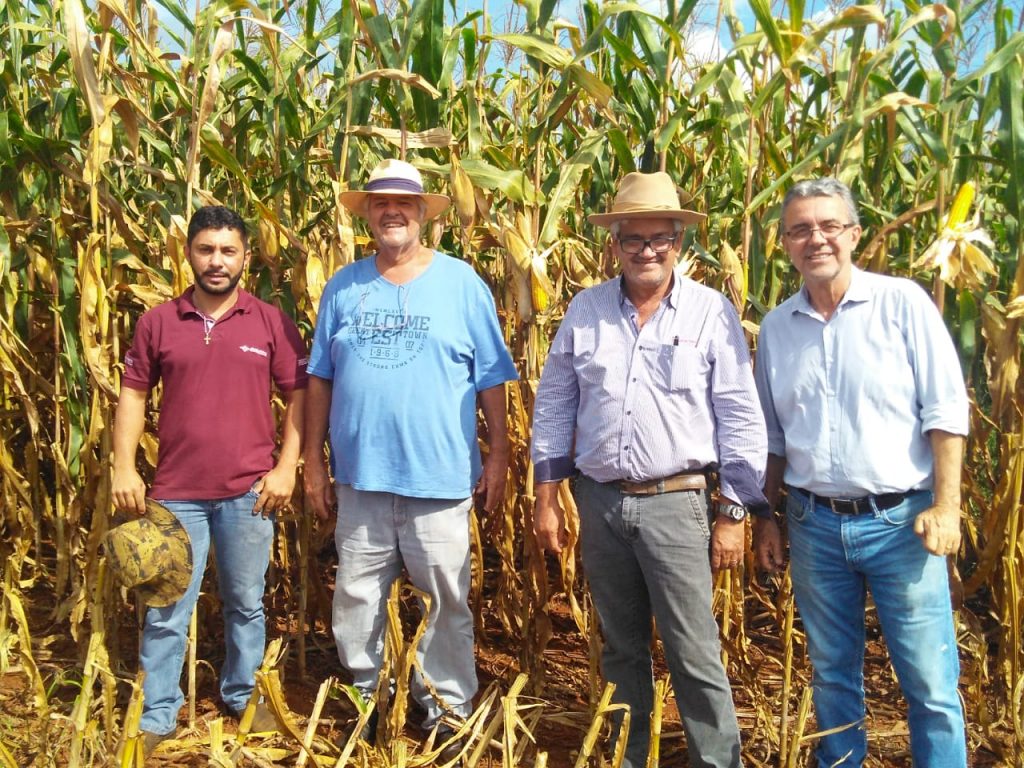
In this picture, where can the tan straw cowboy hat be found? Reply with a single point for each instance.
(394, 177)
(153, 554)
(646, 196)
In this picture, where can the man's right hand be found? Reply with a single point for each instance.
(318, 488)
(549, 519)
(129, 491)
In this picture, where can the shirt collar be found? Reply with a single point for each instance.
(187, 307)
(859, 290)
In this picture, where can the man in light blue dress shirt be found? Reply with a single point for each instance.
(866, 411)
(647, 390)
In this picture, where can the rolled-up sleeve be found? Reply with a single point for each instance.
(940, 383)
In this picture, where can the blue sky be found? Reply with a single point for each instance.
(705, 44)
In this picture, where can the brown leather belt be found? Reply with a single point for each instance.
(684, 481)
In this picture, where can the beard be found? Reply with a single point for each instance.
(217, 290)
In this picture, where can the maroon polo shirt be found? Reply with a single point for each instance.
(216, 427)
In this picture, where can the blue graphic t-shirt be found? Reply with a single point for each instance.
(406, 362)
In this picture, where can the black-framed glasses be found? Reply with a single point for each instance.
(829, 230)
(634, 244)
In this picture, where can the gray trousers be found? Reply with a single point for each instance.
(377, 534)
(644, 556)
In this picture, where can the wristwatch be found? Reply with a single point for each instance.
(734, 512)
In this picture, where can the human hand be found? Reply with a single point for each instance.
(939, 529)
(768, 545)
(549, 522)
(727, 539)
(490, 489)
(318, 488)
(129, 491)
(275, 490)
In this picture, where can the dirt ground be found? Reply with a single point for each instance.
(41, 741)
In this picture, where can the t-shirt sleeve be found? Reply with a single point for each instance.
(141, 365)
(288, 367)
(492, 363)
(320, 363)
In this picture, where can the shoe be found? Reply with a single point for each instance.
(150, 741)
(367, 733)
(263, 720)
(451, 744)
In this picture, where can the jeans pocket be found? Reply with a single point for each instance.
(797, 508)
(907, 511)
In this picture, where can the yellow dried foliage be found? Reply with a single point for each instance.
(956, 252)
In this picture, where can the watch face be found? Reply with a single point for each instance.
(733, 511)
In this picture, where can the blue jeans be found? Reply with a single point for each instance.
(648, 556)
(835, 559)
(242, 543)
(376, 534)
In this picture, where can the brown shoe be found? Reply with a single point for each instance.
(150, 741)
(263, 720)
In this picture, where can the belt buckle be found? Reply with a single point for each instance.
(852, 506)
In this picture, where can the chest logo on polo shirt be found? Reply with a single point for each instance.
(387, 338)
(254, 350)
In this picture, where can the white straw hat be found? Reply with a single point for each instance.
(394, 177)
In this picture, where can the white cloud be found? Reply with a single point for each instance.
(703, 45)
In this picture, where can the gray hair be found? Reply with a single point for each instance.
(677, 227)
(826, 187)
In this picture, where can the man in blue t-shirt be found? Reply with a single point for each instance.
(407, 343)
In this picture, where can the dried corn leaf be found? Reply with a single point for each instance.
(401, 76)
(80, 50)
(434, 138)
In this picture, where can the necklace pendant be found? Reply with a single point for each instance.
(206, 339)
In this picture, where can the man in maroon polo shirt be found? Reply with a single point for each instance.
(217, 349)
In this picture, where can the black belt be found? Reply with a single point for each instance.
(861, 505)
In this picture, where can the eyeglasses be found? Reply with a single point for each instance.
(635, 244)
(829, 230)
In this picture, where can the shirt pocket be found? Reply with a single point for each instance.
(589, 366)
(680, 368)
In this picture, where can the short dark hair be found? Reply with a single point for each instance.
(826, 187)
(217, 217)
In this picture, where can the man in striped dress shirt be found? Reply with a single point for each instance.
(646, 394)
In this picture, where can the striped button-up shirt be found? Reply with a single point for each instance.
(645, 403)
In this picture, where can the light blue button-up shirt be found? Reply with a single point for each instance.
(641, 404)
(848, 401)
